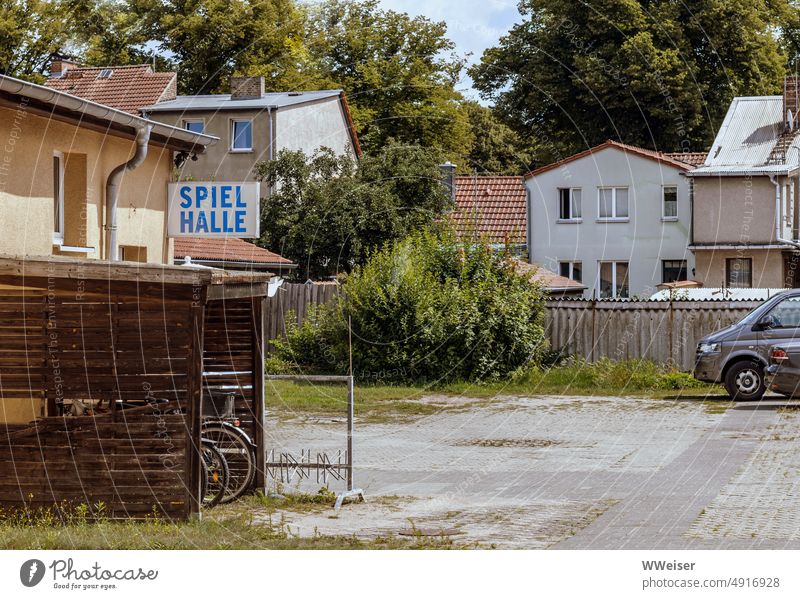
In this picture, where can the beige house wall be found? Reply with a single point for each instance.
(734, 210)
(767, 266)
(218, 163)
(27, 146)
(305, 127)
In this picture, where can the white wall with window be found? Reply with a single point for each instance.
(569, 204)
(621, 216)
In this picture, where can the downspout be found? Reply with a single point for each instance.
(270, 148)
(112, 190)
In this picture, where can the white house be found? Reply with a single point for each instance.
(614, 217)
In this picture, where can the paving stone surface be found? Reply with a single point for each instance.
(570, 472)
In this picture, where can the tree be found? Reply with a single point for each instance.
(399, 73)
(31, 31)
(427, 308)
(327, 212)
(657, 73)
(497, 149)
(207, 41)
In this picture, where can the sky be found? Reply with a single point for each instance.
(473, 25)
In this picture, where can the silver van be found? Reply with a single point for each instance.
(737, 355)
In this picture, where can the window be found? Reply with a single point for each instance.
(241, 136)
(133, 253)
(105, 74)
(670, 202)
(673, 270)
(58, 198)
(571, 270)
(786, 315)
(739, 272)
(614, 279)
(613, 203)
(569, 203)
(195, 126)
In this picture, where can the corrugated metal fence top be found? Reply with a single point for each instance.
(716, 293)
(651, 305)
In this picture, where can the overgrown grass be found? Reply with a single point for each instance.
(571, 377)
(250, 523)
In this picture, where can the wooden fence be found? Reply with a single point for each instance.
(665, 332)
(299, 298)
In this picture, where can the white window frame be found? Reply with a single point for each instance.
(58, 235)
(613, 264)
(571, 273)
(201, 121)
(572, 204)
(232, 131)
(613, 218)
(664, 215)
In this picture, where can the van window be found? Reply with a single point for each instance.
(786, 315)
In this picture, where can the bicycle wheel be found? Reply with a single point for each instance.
(239, 454)
(216, 475)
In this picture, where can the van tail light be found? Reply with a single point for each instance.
(778, 355)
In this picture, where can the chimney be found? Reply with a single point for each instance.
(246, 88)
(60, 64)
(791, 102)
(449, 178)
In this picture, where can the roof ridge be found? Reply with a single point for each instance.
(644, 152)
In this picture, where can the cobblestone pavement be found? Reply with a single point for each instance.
(570, 472)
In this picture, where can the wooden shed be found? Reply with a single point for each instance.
(96, 334)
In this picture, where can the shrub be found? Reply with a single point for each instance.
(427, 308)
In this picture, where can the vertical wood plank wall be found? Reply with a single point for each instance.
(298, 298)
(665, 332)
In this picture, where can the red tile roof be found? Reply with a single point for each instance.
(690, 158)
(661, 157)
(490, 206)
(228, 250)
(128, 87)
(548, 280)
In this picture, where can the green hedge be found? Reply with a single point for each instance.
(428, 308)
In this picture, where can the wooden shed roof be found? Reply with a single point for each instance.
(63, 267)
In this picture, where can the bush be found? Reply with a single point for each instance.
(427, 308)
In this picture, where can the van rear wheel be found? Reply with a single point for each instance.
(745, 381)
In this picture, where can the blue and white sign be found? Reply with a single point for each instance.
(198, 209)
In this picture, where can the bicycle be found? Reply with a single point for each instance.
(222, 427)
(214, 476)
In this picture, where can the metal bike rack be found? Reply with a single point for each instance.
(285, 467)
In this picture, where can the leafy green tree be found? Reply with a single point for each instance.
(31, 31)
(207, 41)
(326, 212)
(497, 149)
(399, 73)
(658, 73)
(427, 308)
